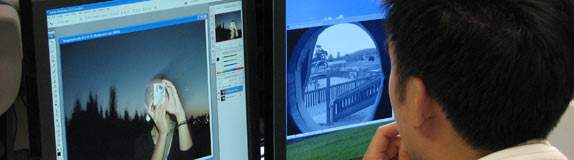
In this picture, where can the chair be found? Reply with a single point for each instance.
(10, 55)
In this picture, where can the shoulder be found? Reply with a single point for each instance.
(529, 150)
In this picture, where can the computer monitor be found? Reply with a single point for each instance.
(336, 68)
(142, 79)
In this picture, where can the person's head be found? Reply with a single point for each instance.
(149, 95)
(497, 72)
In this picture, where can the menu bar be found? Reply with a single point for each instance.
(95, 12)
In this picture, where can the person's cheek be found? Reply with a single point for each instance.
(393, 97)
(392, 90)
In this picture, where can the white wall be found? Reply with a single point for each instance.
(563, 135)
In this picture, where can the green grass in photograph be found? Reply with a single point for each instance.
(346, 144)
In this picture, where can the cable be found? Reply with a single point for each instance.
(2, 149)
(15, 124)
(23, 92)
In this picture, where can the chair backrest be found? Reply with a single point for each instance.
(10, 55)
(2, 2)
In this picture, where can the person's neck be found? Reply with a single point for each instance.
(455, 148)
(444, 143)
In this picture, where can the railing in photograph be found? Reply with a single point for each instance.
(356, 100)
(317, 96)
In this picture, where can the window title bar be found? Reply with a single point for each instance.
(113, 9)
(113, 32)
(91, 6)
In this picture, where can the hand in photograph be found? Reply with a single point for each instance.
(234, 33)
(162, 124)
(175, 107)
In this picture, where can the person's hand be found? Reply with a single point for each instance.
(160, 131)
(386, 144)
(160, 118)
(175, 106)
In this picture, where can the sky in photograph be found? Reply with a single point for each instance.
(130, 61)
(305, 11)
(345, 38)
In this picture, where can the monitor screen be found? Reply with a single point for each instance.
(148, 79)
(337, 70)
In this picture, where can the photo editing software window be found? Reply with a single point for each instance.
(337, 70)
(147, 79)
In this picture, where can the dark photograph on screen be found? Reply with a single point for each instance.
(228, 26)
(337, 78)
(114, 88)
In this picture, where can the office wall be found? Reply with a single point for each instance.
(563, 135)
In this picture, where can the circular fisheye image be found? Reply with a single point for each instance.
(339, 80)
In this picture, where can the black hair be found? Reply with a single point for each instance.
(501, 69)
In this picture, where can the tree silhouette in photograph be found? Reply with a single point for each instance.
(95, 132)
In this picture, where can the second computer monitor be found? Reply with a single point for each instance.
(337, 70)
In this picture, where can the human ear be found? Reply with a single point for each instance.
(422, 103)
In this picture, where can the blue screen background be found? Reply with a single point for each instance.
(305, 11)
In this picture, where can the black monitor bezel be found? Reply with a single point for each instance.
(39, 37)
(279, 80)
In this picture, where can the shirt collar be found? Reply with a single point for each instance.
(535, 149)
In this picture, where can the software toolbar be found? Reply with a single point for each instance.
(113, 9)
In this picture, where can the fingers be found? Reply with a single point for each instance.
(175, 106)
(403, 152)
(171, 87)
(393, 147)
(385, 143)
(150, 111)
(156, 113)
(383, 136)
(161, 112)
(167, 82)
(170, 95)
(164, 112)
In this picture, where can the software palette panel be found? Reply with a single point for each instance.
(133, 79)
(337, 70)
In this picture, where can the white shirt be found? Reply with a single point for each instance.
(529, 150)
